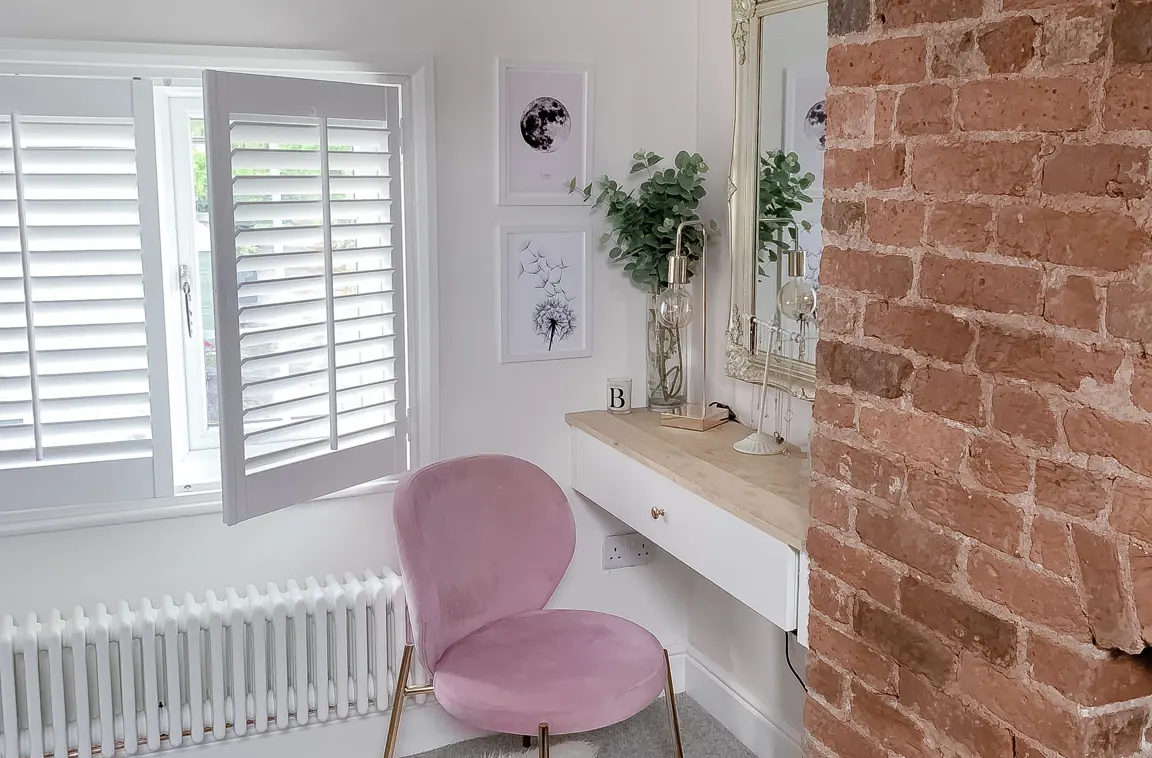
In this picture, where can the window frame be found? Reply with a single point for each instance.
(179, 68)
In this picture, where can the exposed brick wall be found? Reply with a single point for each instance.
(982, 508)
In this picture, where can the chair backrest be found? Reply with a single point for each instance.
(480, 539)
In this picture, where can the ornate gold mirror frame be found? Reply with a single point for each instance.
(744, 360)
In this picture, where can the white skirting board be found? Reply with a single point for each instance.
(749, 719)
(427, 727)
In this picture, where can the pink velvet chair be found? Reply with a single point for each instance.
(484, 542)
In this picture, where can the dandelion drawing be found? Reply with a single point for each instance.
(549, 276)
(554, 321)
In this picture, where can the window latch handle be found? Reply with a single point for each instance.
(186, 286)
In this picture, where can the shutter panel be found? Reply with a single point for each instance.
(304, 178)
(75, 403)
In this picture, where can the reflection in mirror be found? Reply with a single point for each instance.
(790, 165)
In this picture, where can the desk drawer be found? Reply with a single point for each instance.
(749, 564)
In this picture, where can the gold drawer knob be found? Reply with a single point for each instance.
(657, 513)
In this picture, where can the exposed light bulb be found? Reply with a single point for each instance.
(674, 307)
(797, 299)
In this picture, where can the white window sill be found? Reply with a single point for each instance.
(61, 519)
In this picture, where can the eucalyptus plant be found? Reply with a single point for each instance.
(644, 220)
(783, 192)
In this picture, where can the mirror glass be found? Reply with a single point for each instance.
(792, 82)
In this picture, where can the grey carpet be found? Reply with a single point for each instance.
(645, 735)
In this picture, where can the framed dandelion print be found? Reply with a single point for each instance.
(545, 297)
(545, 132)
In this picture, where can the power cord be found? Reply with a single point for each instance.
(788, 657)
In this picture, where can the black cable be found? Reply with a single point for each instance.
(788, 657)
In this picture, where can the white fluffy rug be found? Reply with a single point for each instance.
(563, 750)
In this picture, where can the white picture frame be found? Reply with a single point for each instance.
(545, 292)
(537, 162)
(804, 89)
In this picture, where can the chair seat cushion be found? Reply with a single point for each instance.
(575, 670)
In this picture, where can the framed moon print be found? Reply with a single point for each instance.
(804, 121)
(545, 132)
(545, 297)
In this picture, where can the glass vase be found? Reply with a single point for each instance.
(667, 388)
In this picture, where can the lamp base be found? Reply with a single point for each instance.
(759, 443)
(696, 418)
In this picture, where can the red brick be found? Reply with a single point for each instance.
(1078, 36)
(962, 168)
(826, 596)
(887, 275)
(880, 166)
(1111, 614)
(982, 286)
(925, 109)
(1132, 32)
(901, 13)
(1039, 358)
(1114, 735)
(880, 374)
(1070, 490)
(950, 394)
(960, 225)
(992, 520)
(825, 681)
(1008, 46)
(960, 723)
(958, 620)
(1028, 105)
(894, 729)
(1023, 708)
(853, 566)
(1027, 592)
(895, 222)
(843, 217)
(834, 409)
(848, 16)
(885, 115)
(891, 61)
(1142, 384)
(1090, 431)
(1073, 302)
(1140, 564)
(1129, 313)
(852, 655)
(863, 470)
(849, 114)
(909, 542)
(930, 332)
(1023, 413)
(823, 726)
(998, 466)
(915, 436)
(1089, 676)
(956, 55)
(829, 506)
(1100, 170)
(1051, 547)
(894, 636)
(1128, 101)
(1100, 240)
(1132, 509)
(838, 315)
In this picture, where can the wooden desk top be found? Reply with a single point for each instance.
(768, 492)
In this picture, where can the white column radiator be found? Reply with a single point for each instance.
(141, 680)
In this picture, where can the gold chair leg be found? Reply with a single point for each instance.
(670, 693)
(544, 740)
(398, 700)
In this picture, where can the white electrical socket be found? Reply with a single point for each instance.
(629, 549)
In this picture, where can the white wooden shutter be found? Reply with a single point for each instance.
(76, 390)
(304, 180)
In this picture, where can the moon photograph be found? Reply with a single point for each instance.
(546, 124)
